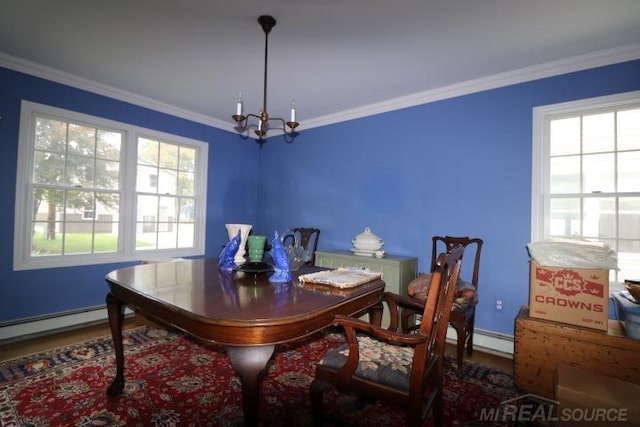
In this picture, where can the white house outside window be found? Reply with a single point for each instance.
(165, 195)
(93, 191)
(586, 175)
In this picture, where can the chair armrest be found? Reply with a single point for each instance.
(409, 305)
(402, 301)
(354, 325)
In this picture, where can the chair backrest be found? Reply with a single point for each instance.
(437, 308)
(443, 244)
(308, 238)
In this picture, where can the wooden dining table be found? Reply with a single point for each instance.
(243, 311)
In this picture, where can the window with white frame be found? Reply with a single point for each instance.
(90, 191)
(586, 176)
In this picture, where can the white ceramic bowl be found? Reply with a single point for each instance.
(380, 254)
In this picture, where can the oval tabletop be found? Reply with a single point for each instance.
(236, 308)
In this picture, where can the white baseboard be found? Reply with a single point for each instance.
(31, 328)
(488, 341)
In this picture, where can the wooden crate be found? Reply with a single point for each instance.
(540, 345)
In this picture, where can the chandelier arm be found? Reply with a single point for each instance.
(252, 115)
(287, 126)
(243, 121)
(277, 119)
(291, 125)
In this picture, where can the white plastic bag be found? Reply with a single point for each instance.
(573, 253)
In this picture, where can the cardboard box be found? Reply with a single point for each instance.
(588, 398)
(577, 296)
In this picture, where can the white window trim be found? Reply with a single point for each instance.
(22, 259)
(539, 169)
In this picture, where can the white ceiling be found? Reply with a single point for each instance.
(335, 57)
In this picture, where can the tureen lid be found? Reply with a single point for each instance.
(367, 236)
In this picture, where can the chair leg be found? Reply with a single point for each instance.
(461, 338)
(437, 409)
(317, 394)
(470, 328)
(415, 413)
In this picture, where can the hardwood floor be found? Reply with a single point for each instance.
(42, 343)
(61, 339)
(484, 358)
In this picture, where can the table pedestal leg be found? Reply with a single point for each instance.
(116, 313)
(375, 314)
(249, 363)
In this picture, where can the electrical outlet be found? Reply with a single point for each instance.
(499, 305)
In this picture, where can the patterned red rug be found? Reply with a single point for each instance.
(171, 380)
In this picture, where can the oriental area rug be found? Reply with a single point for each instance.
(173, 380)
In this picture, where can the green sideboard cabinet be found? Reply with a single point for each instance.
(397, 271)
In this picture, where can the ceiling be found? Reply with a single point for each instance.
(337, 58)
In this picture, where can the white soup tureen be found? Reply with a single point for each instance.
(367, 241)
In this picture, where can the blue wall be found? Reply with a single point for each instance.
(40, 292)
(461, 166)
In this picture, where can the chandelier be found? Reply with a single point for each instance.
(267, 23)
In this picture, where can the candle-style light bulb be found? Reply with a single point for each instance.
(239, 104)
(293, 110)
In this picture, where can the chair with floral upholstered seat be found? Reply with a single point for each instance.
(465, 301)
(405, 370)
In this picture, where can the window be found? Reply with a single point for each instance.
(92, 191)
(586, 176)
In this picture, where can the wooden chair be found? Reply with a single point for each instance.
(308, 240)
(464, 307)
(411, 372)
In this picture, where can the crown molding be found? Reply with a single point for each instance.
(549, 69)
(52, 74)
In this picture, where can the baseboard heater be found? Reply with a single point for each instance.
(32, 327)
(499, 344)
(487, 341)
